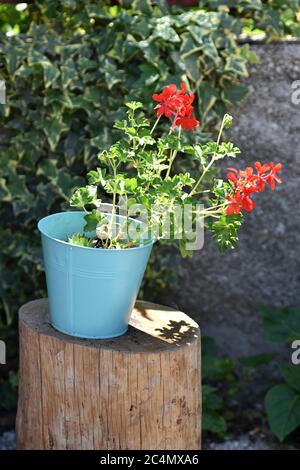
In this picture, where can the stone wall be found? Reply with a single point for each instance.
(222, 291)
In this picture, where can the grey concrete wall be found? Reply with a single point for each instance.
(222, 291)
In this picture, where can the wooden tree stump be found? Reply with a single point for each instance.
(137, 391)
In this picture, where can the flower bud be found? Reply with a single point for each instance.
(227, 120)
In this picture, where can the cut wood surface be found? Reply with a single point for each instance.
(138, 391)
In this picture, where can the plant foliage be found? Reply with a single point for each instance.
(65, 81)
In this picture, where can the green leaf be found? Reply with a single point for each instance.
(237, 65)
(248, 54)
(73, 146)
(214, 423)
(283, 410)
(225, 230)
(164, 30)
(134, 105)
(208, 95)
(97, 176)
(234, 93)
(81, 240)
(291, 375)
(92, 219)
(258, 360)
(208, 346)
(53, 129)
(68, 74)
(113, 75)
(8, 392)
(5, 194)
(84, 196)
(48, 168)
(211, 401)
(51, 73)
(210, 50)
(281, 325)
(143, 6)
(217, 368)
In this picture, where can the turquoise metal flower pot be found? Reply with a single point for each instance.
(91, 291)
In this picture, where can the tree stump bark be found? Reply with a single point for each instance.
(137, 391)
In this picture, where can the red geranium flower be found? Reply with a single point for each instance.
(177, 104)
(168, 101)
(246, 182)
(272, 177)
(188, 122)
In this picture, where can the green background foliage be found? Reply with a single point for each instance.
(282, 401)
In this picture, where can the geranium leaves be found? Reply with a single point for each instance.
(225, 230)
(92, 219)
(83, 197)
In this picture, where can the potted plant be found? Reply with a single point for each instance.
(95, 258)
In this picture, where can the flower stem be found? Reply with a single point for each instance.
(211, 161)
(113, 211)
(152, 130)
(155, 124)
(173, 156)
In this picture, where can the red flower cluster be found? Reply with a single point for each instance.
(247, 182)
(176, 104)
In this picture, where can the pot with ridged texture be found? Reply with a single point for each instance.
(91, 291)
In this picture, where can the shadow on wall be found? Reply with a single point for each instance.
(221, 291)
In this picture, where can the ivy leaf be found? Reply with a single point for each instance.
(237, 65)
(73, 146)
(53, 129)
(113, 75)
(234, 93)
(48, 168)
(164, 30)
(143, 6)
(68, 73)
(51, 73)
(208, 95)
